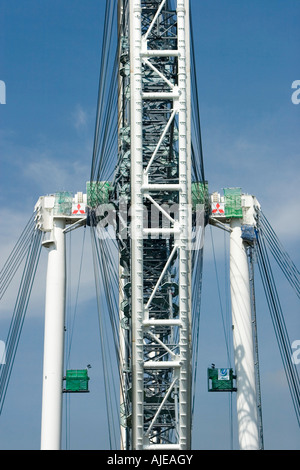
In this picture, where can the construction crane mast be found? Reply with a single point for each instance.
(152, 188)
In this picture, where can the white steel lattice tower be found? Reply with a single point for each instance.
(153, 189)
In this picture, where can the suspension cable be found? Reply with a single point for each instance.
(280, 255)
(16, 257)
(19, 313)
(278, 323)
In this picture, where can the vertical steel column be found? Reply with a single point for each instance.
(179, 363)
(122, 352)
(185, 229)
(136, 225)
(255, 341)
(54, 340)
(243, 341)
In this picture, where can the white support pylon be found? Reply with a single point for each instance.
(53, 222)
(243, 341)
(137, 225)
(54, 340)
(242, 322)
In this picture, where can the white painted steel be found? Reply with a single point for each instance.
(185, 223)
(122, 333)
(54, 340)
(161, 405)
(243, 341)
(136, 225)
(180, 95)
(162, 275)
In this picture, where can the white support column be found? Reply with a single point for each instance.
(54, 340)
(137, 224)
(243, 341)
(185, 225)
(122, 332)
(142, 187)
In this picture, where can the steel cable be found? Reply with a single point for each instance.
(278, 323)
(280, 255)
(19, 313)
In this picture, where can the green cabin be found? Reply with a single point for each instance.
(221, 380)
(77, 381)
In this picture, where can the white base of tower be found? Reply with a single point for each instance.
(54, 341)
(243, 341)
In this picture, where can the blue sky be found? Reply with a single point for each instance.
(247, 59)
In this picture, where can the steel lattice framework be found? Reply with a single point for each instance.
(159, 213)
(152, 188)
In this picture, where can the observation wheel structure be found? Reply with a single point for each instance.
(148, 137)
(152, 190)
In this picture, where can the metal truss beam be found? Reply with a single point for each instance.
(156, 260)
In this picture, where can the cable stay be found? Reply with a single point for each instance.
(106, 125)
(106, 282)
(16, 257)
(105, 150)
(71, 317)
(198, 173)
(225, 318)
(278, 320)
(280, 255)
(28, 247)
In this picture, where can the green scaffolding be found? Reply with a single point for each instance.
(63, 203)
(233, 202)
(98, 192)
(200, 194)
